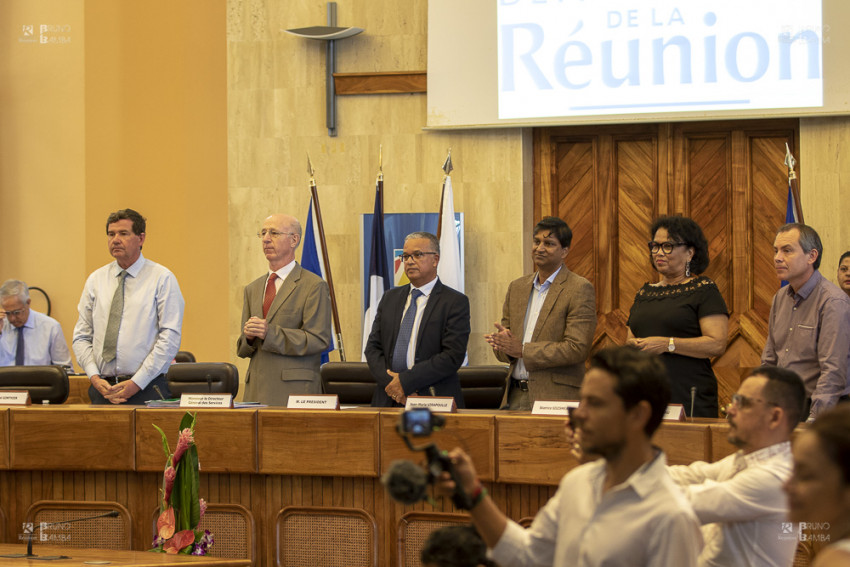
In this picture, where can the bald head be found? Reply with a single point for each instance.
(280, 236)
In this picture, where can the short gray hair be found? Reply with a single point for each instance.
(15, 288)
(809, 239)
(435, 242)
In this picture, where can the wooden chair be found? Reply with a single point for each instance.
(102, 533)
(331, 537)
(415, 527)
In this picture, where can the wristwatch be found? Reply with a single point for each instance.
(671, 346)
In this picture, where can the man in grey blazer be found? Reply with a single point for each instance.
(547, 326)
(286, 320)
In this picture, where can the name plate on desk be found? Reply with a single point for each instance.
(674, 412)
(206, 401)
(557, 407)
(14, 398)
(315, 402)
(433, 403)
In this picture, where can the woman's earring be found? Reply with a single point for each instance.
(688, 269)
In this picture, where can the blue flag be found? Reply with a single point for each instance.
(379, 273)
(312, 260)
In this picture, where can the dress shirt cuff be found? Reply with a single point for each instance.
(91, 369)
(820, 404)
(510, 546)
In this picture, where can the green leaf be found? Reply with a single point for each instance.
(184, 496)
(164, 442)
(188, 422)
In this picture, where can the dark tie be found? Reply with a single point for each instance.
(404, 334)
(19, 353)
(270, 293)
(110, 338)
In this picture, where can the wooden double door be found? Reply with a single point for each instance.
(610, 182)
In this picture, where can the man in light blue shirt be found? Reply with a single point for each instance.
(27, 337)
(131, 316)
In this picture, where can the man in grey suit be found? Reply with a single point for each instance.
(286, 320)
(547, 327)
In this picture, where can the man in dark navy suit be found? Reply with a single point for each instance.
(418, 340)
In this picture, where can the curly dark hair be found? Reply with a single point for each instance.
(685, 230)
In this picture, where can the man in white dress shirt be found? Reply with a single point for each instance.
(131, 316)
(622, 509)
(27, 337)
(739, 499)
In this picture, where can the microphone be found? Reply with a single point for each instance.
(406, 482)
(42, 525)
(693, 398)
(209, 384)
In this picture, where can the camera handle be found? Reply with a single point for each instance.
(438, 462)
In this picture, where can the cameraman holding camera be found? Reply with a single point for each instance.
(622, 509)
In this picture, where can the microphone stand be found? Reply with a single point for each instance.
(41, 525)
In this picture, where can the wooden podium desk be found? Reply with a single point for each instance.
(265, 460)
(110, 557)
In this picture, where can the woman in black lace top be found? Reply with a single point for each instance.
(682, 317)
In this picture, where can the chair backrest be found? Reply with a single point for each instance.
(331, 537)
(184, 356)
(232, 528)
(351, 381)
(104, 533)
(203, 378)
(43, 382)
(483, 386)
(415, 527)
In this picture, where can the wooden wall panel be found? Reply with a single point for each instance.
(729, 176)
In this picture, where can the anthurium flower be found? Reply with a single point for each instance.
(183, 441)
(165, 523)
(179, 541)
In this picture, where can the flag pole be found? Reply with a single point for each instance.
(334, 310)
(447, 170)
(792, 177)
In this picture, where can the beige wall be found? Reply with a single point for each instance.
(130, 113)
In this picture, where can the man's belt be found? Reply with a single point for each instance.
(114, 380)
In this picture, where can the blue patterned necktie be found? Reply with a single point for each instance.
(404, 333)
(19, 351)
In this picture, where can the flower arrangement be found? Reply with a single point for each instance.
(180, 509)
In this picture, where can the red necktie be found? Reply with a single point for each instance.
(270, 293)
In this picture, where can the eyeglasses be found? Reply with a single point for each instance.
(666, 247)
(743, 402)
(273, 233)
(418, 255)
(14, 313)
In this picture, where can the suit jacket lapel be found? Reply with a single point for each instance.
(519, 307)
(399, 300)
(433, 300)
(286, 288)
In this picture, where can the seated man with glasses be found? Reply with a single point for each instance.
(419, 336)
(739, 499)
(286, 320)
(27, 337)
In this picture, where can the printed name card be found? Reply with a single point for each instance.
(433, 403)
(15, 398)
(314, 402)
(674, 412)
(557, 407)
(206, 401)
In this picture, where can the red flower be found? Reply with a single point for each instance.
(179, 541)
(165, 524)
(183, 441)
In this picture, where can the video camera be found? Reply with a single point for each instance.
(408, 483)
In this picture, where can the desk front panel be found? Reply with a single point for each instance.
(72, 438)
(226, 438)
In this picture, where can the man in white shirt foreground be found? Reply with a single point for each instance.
(623, 509)
(739, 499)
